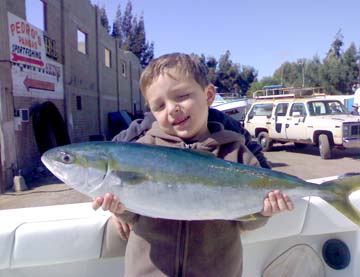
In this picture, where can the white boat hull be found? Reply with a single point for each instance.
(66, 240)
(235, 108)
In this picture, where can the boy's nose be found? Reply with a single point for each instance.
(175, 108)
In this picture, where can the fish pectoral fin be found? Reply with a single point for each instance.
(249, 217)
(131, 177)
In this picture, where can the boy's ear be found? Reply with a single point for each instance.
(210, 92)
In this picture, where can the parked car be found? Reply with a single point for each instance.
(302, 119)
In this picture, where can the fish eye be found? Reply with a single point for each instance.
(66, 158)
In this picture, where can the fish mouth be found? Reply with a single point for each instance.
(51, 165)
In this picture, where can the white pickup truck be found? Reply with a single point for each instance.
(303, 120)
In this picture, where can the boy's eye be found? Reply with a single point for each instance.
(157, 108)
(183, 96)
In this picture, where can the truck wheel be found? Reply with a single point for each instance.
(265, 141)
(324, 147)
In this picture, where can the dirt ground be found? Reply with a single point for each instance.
(304, 163)
(45, 191)
(307, 164)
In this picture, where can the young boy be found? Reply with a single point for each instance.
(179, 94)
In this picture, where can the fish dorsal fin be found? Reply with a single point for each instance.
(130, 177)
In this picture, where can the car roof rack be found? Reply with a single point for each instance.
(278, 91)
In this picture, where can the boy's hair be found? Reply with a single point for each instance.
(188, 65)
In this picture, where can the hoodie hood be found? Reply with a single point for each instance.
(218, 137)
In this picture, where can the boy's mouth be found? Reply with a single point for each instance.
(180, 120)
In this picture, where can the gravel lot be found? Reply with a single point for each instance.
(305, 163)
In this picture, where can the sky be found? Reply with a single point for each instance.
(258, 33)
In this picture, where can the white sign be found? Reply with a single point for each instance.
(33, 73)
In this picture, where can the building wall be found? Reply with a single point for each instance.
(90, 89)
(25, 143)
(134, 77)
(80, 70)
(124, 83)
(7, 130)
(108, 89)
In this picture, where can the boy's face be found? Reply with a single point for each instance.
(180, 105)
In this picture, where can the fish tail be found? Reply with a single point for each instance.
(338, 195)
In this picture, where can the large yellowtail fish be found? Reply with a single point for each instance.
(182, 184)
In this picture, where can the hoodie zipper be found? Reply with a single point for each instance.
(181, 238)
(181, 248)
(187, 146)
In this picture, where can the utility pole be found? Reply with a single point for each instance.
(303, 74)
(302, 63)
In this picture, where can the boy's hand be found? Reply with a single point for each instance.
(111, 203)
(108, 203)
(122, 228)
(276, 202)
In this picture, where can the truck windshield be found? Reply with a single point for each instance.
(326, 108)
(261, 110)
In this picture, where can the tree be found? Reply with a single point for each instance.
(130, 32)
(211, 63)
(351, 68)
(148, 54)
(335, 50)
(139, 46)
(223, 72)
(247, 76)
(116, 30)
(288, 74)
(126, 26)
(136, 38)
(104, 19)
(333, 74)
(227, 76)
(313, 72)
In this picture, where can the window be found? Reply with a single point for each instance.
(107, 58)
(335, 107)
(78, 103)
(326, 107)
(123, 69)
(298, 107)
(262, 110)
(36, 13)
(82, 42)
(317, 108)
(281, 109)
